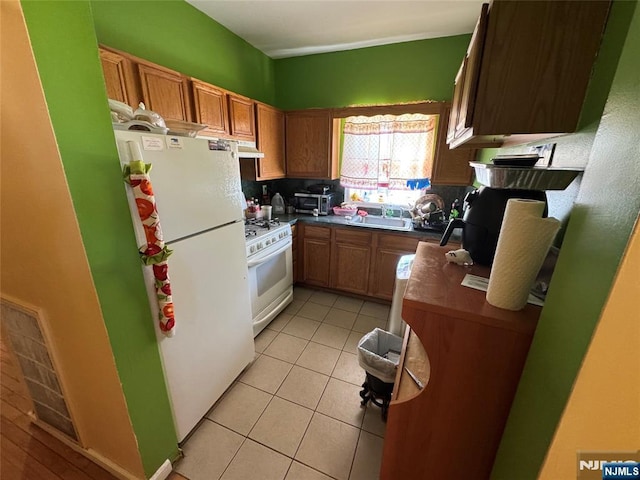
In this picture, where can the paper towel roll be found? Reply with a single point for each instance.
(523, 244)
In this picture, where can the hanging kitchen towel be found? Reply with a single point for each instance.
(523, 244)
(155, 252)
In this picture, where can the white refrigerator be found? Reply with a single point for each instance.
(200, 203)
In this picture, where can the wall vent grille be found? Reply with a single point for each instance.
(23, 327)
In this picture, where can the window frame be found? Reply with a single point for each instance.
(425, 107)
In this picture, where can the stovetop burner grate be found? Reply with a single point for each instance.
(260, 223)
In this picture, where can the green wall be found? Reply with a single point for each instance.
(64, 35)
(66, 52)
(173, 33)
(420, 70)
(177, 35)
(601, 222)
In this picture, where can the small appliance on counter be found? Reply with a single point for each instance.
(307, 202)
(278, 204)
(319, 188)
(482, 219)
(428, 213)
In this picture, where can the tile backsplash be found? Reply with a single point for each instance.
(288, 186)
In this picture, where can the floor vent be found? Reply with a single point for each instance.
(23, 327)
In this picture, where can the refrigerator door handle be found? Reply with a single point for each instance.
(256, 262)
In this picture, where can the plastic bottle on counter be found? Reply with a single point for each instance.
(278, 204)
(265, 196)
(455, 209)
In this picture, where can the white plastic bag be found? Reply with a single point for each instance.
(372, 349)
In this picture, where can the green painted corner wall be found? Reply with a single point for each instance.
(64, 44)
(401, 72)
(176, 35)
(600, 225)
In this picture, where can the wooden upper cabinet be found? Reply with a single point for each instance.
(210, 108)
(454, 113)
(270, 141)
(241, 117)
(469, 74)
(310, 144)
(451, 166)
(175, 96)
(119, 77)
(521, 81)
(165, 92)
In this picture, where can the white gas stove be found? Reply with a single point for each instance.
(270, 262)
(265, 236)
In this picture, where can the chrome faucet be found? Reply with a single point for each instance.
(387, 210)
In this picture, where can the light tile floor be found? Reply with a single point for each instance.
(295, 413)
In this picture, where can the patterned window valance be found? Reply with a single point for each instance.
(387, 150)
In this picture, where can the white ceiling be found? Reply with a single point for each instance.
(301, 27)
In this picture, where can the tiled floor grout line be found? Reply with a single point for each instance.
(314, 410)
(293, 458)
(304, 406)
(353, 459)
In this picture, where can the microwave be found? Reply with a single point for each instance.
(307, 202)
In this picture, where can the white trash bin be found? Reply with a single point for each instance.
(396, 324)
(379, 355)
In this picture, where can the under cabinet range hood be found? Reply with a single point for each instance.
(248, 150)
(524, 178)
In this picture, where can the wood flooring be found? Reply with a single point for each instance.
(26, 451)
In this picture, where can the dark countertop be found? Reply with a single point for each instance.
(339, 220)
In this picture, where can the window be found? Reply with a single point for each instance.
(383, 155)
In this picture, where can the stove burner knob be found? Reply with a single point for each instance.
(259, 246)
(273, 240)
(267, 242)
(252, 249)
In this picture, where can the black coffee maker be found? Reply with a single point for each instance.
(482, 219)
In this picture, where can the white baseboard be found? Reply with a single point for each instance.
(163, 472)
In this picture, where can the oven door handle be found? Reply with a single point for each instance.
(256, 262)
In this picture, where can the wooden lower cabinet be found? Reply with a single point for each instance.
(351, 261)
(469, 355)
(388, 251)
(316, 249)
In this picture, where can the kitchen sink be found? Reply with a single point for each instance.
(388, 223)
